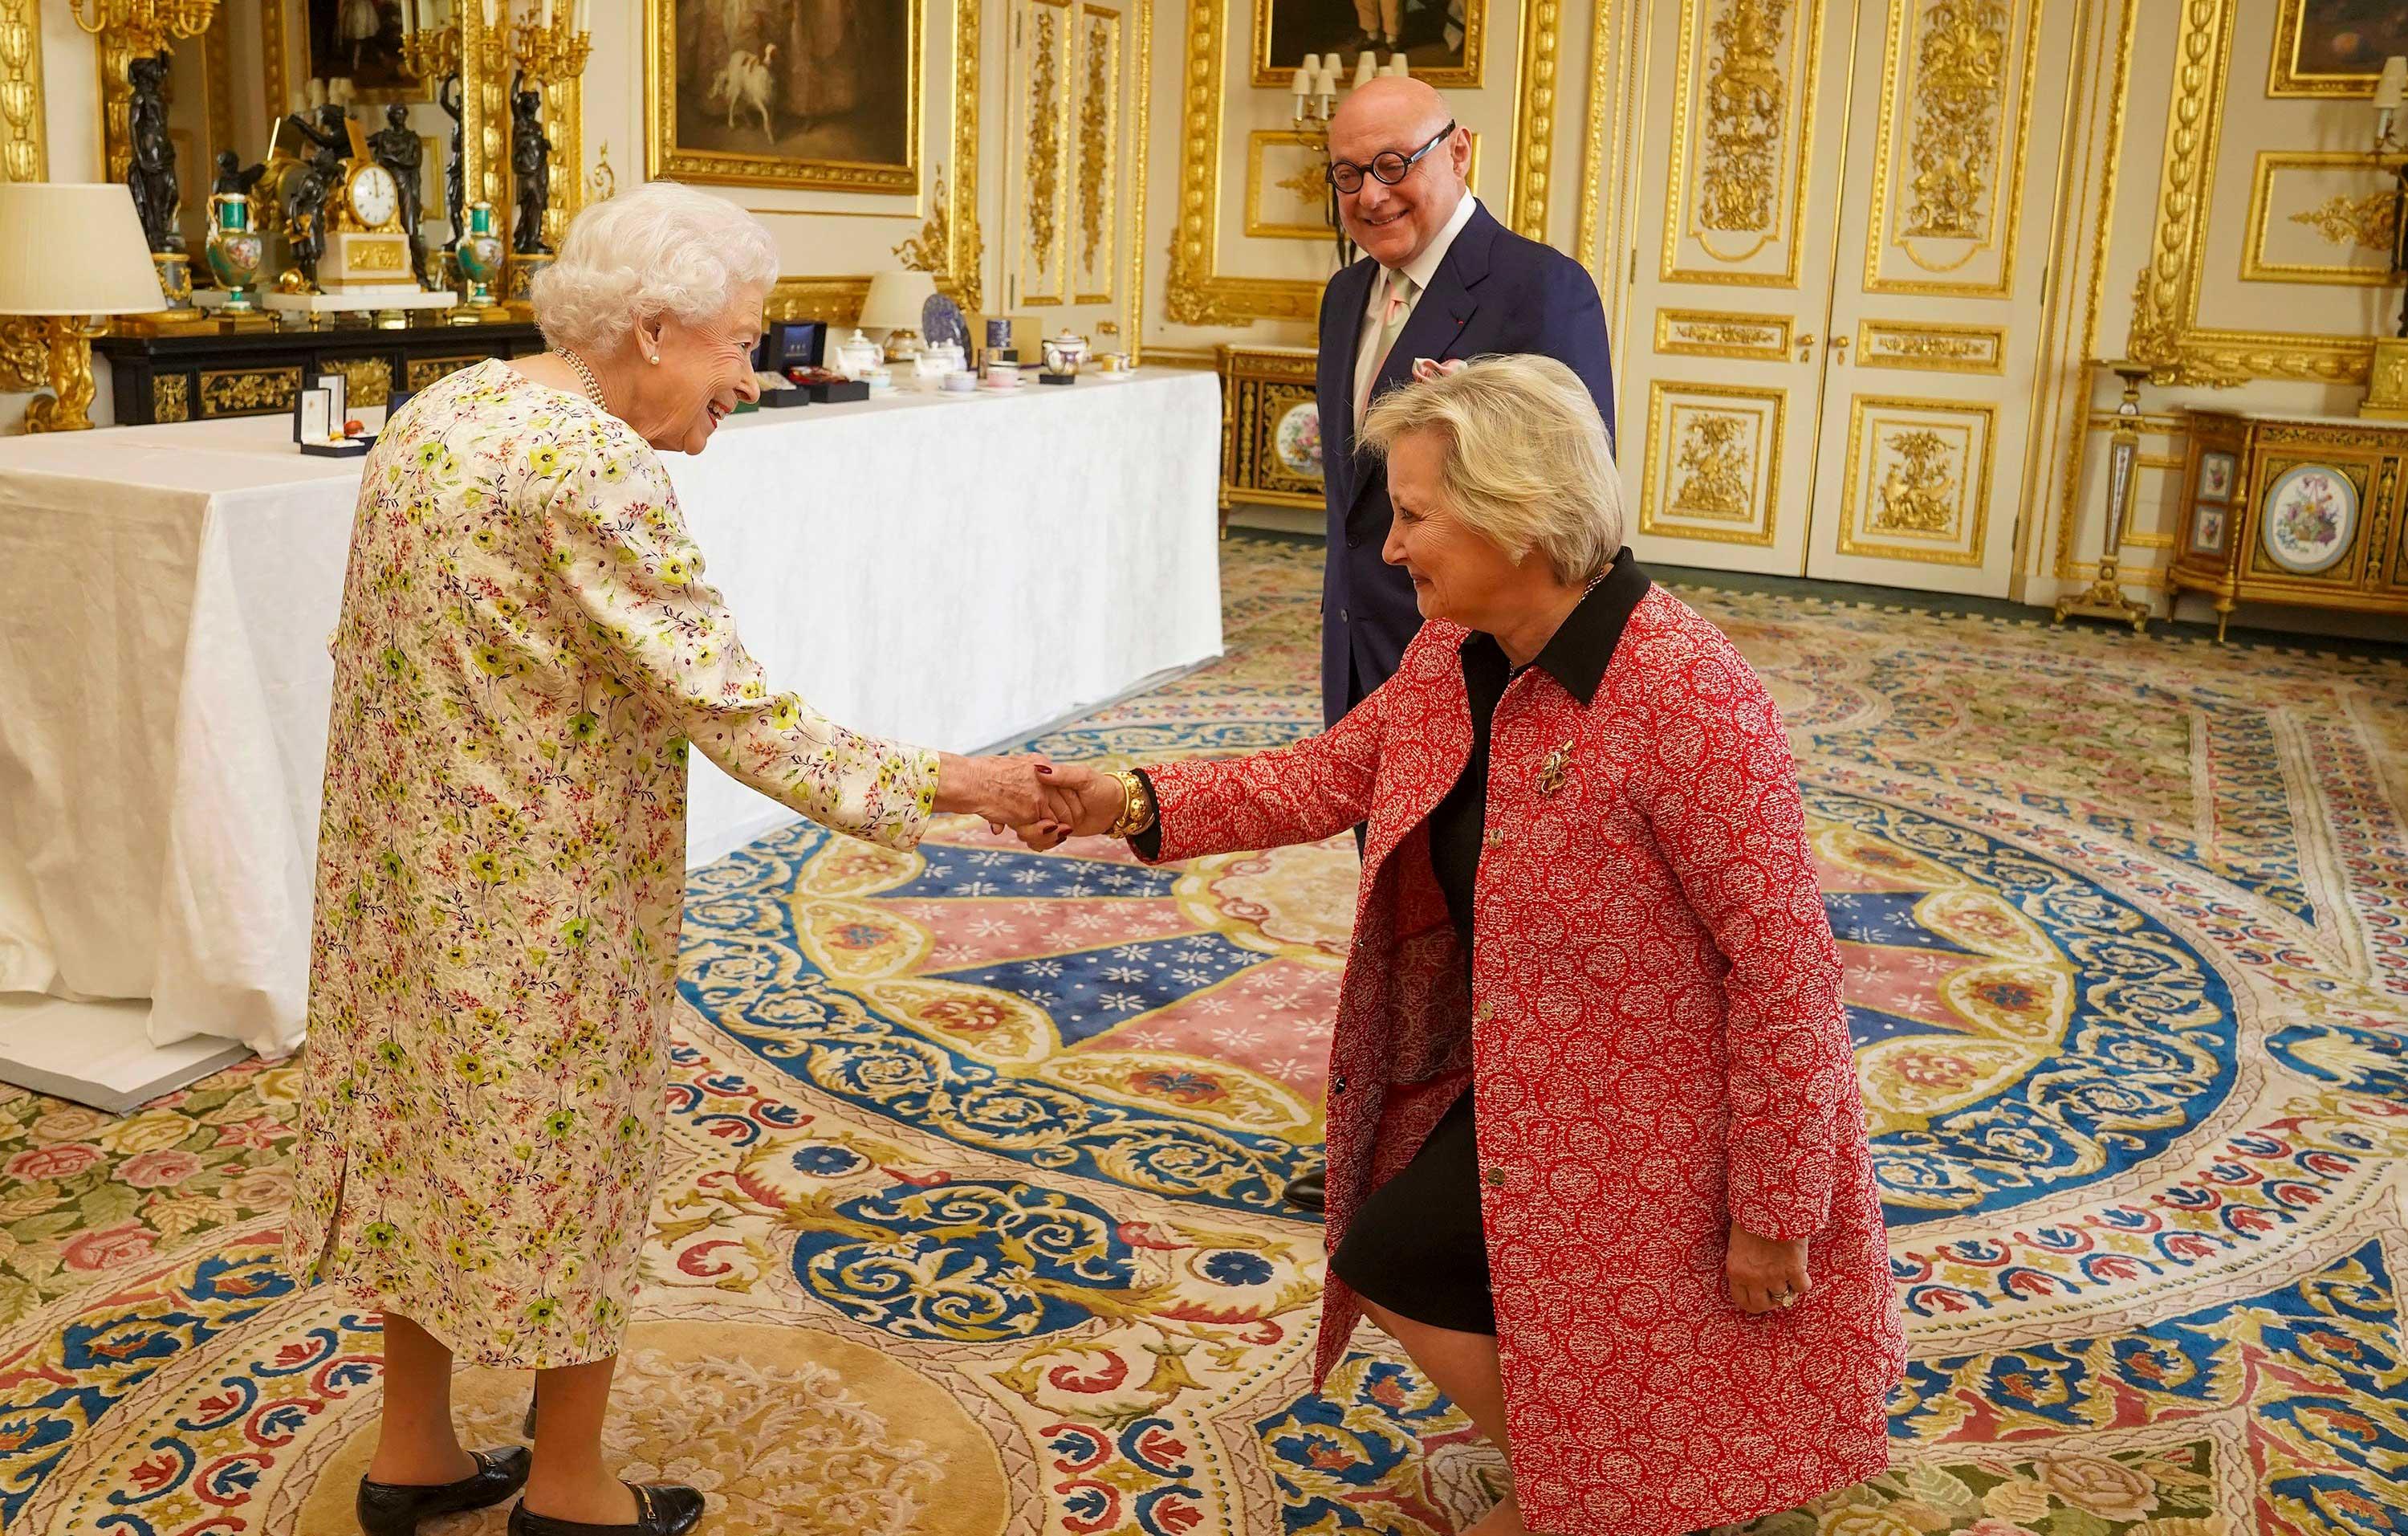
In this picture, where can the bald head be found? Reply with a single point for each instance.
(1400, 115)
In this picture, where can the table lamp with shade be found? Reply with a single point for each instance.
(70, 251)
(895, 303)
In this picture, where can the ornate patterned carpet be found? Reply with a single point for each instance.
(971, 1227)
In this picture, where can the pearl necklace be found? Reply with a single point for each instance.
(593, 385)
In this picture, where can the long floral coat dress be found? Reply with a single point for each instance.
(1656, 1050)
(526, 648)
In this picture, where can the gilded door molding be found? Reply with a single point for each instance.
(1713, 462)
(1917, 482)
(1743, 141)
(2166, 333)
(1948, 161)
(24, 145)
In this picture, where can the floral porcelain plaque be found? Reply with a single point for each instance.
(2311, 516)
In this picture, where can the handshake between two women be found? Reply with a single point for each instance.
(1043, 801)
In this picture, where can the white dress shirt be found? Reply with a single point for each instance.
(1422, 268)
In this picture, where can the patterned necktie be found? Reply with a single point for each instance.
(1403, 290)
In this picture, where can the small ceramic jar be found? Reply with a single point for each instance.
(857, 357)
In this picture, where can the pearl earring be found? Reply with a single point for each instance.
(655, 359)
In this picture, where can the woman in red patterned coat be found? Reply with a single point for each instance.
(1596, 1154)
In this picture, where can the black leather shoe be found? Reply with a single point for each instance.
(395, 1509)
(1306, 1192)
(661, 1509)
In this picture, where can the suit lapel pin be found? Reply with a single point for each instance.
(1552, 771)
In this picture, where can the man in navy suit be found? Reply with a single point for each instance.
(1439, 278)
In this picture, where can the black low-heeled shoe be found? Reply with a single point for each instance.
(395, 1509)
(661, 1509)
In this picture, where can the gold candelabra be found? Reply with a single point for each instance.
(550, 50)
(143, 26)
(432, 53)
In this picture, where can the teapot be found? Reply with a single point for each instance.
(1064, 353)
(858, 355)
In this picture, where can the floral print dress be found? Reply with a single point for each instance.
(527, 645)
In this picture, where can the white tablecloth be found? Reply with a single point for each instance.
(950, 572)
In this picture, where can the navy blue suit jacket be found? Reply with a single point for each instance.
(1495, 291)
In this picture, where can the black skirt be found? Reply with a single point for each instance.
(1416, 1248)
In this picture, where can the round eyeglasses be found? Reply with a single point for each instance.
(1389, 166)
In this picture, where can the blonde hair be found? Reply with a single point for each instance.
(658, 249)
(1529, 462)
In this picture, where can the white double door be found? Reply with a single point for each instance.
(1841, 247)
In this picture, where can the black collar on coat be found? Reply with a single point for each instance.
(1582, 645)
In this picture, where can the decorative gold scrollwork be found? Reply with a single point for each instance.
(2365, 222)
(1094, 140)
(1714, 452)
(249, 391)
(1960, 76)
(171, 397)
(366, 381)
(1917, 493)
(1044, 141)
(1745, 108)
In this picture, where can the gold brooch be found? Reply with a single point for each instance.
(1550, 772)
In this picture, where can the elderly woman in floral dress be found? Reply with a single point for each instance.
(527, 646)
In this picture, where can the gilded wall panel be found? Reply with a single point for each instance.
(1095, 240)
(24, 154)
(1743, 126)
(1956, 114)
(1712, 333)
(1918, 482)
(1047, 79)
(1926, 344)
(2319, 216)
(1713, 462)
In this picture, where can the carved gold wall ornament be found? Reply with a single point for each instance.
(1918, 493)
(1713, 459)
(1948, 349)
(24, 152)
(1745, 112)
(2343, 217)
(1045, 100)
(248, 392)
(1917, 482)
(1098, 110)
(1743, 141)
(171, 397)
(366, 381)
(2165, 332)
(1960, 87)
(1718, 436)
(1708, 333)
(2365, 222)
(24, 354)
(1534, 119)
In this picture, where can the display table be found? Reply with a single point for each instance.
(954, 571)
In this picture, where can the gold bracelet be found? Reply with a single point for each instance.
(1137, 806)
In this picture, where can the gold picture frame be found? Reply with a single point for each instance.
(683, 149)
(1286, 30)
(2306, 35)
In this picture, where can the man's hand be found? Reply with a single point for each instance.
(1763, 1275)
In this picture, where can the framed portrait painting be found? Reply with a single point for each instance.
(2334, 48)
(359, 40)
(1440, 39)
(806, 94)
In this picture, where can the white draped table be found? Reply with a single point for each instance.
(951, 571)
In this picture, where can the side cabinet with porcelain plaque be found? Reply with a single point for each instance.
(2300, 509)
(1270, 428)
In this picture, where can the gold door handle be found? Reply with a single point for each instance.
(1839, 345)
(1805, 349)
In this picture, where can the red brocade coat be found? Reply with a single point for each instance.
(1656, 1049)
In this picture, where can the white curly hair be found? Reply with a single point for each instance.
(660, 247)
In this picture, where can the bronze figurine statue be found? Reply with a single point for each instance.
(233, 177)
(530, 169)
(151, 175)
(397, 148)
(455, 175)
